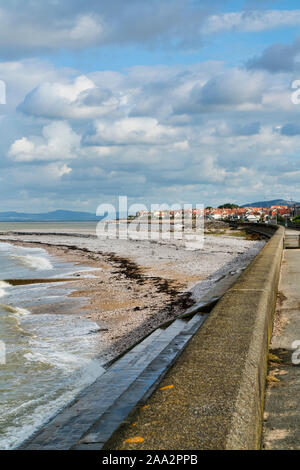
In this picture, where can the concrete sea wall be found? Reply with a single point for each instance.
(216, 388)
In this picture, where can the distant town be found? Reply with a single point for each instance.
(277, 210)
(274, 213)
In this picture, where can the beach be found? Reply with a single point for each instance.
(71, 302)
(137, 284)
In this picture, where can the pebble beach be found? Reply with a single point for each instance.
(137, 284)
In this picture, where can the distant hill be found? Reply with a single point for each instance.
(55, 216)
(274, 202)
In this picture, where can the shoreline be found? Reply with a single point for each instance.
(130, 296)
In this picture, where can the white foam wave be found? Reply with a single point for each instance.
(3, 286)
(59, 350)
(61, 360)
(62, 352)
(38, 263)
(30, 422)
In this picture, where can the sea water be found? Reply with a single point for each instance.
(50, 357)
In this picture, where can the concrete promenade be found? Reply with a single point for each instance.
(282, 405)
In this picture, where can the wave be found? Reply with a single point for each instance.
(3, 286)
(33, 420)
(35, 258)
(62, 352)
(38, 263)
(55, 355)
(16, 310)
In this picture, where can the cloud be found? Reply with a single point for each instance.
(21, 77)
(57, 171)
(223, 129)
(290, 129)
(28, 28)
(131, 131)
(251, 21)
(36, 29)
(58, 142)
(206, 132)
(277, 58)
(197, 133)
(31, 27)
(248, 129)
(136, 92)
(171, 95)
(80, 99)
(33, 184)
(235, 88)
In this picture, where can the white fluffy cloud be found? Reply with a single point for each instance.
(21, 77)
(80, 99)
(58, 142)
(198, 133)
(205, 132)
(57, 171)
(157, 93)
(132, 131)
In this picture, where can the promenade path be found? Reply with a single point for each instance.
(282, 405)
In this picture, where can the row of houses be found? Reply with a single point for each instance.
(176, 214)
(250, 214)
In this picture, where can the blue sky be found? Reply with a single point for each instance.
(170, 101)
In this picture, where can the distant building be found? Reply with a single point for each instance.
(251, 214)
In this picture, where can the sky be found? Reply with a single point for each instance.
(164, 101)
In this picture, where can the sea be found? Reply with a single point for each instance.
(48, 351)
